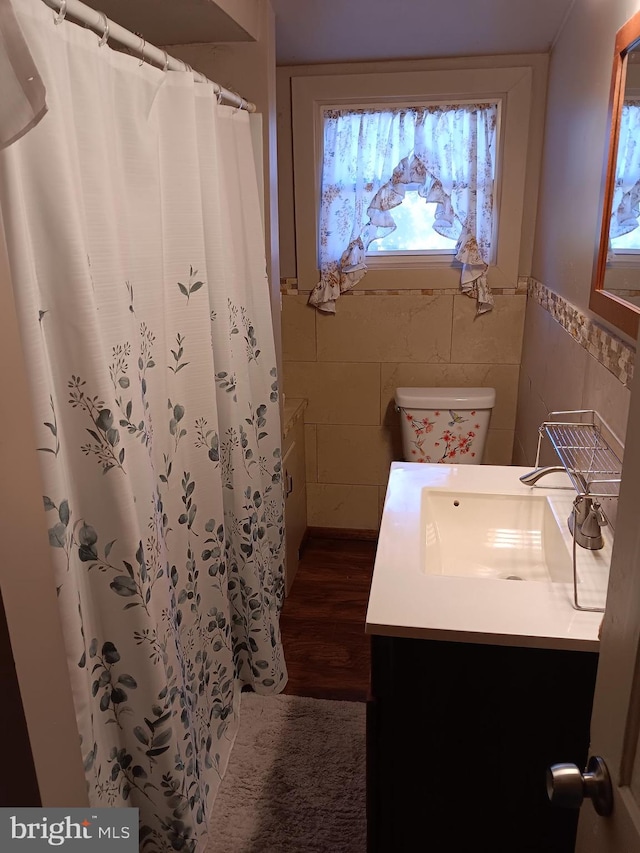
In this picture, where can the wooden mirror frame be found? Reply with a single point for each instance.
(616, 310)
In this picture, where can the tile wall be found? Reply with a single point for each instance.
(348, 366)
(569, 361)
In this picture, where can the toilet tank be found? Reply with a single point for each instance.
(444, 425)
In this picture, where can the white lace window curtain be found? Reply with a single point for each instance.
(625, 209)
(372, 156)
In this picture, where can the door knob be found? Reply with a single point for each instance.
(567, 786)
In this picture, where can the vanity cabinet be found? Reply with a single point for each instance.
(294, 479)
(459, 738)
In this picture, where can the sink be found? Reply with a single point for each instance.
(502, 537)
(451, 536)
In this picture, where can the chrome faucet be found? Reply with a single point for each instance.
(532, 477)
(588, 519)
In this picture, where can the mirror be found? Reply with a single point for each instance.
(615, 289)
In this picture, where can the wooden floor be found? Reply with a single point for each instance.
(322, 621)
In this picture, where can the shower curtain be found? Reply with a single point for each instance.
(136, 250)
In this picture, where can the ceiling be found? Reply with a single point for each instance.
(311, 31)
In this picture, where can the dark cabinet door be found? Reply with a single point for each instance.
(459, 739)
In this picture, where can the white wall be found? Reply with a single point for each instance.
(575, 144)
(557, 372)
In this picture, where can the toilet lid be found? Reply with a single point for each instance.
(445, 398)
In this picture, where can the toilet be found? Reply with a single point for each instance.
(445, 425)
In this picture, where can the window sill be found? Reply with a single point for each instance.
(433, 278)
(413, 262)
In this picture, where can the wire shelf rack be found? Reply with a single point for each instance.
(582, 442)
(592, 465)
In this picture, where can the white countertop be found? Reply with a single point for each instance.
(406, 601)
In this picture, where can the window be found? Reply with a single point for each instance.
(388, 165)
(442, 155)
(508, 87)
(415, 233)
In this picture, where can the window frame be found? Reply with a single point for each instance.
(413, 258)
(510, 86)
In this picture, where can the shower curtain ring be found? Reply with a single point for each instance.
(59, 18)
(144, 43)
(219, 96)
(165, 67)
(105, 30)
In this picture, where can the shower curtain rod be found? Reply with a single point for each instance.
(99, 22)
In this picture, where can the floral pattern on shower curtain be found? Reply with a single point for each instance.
(136, 249)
